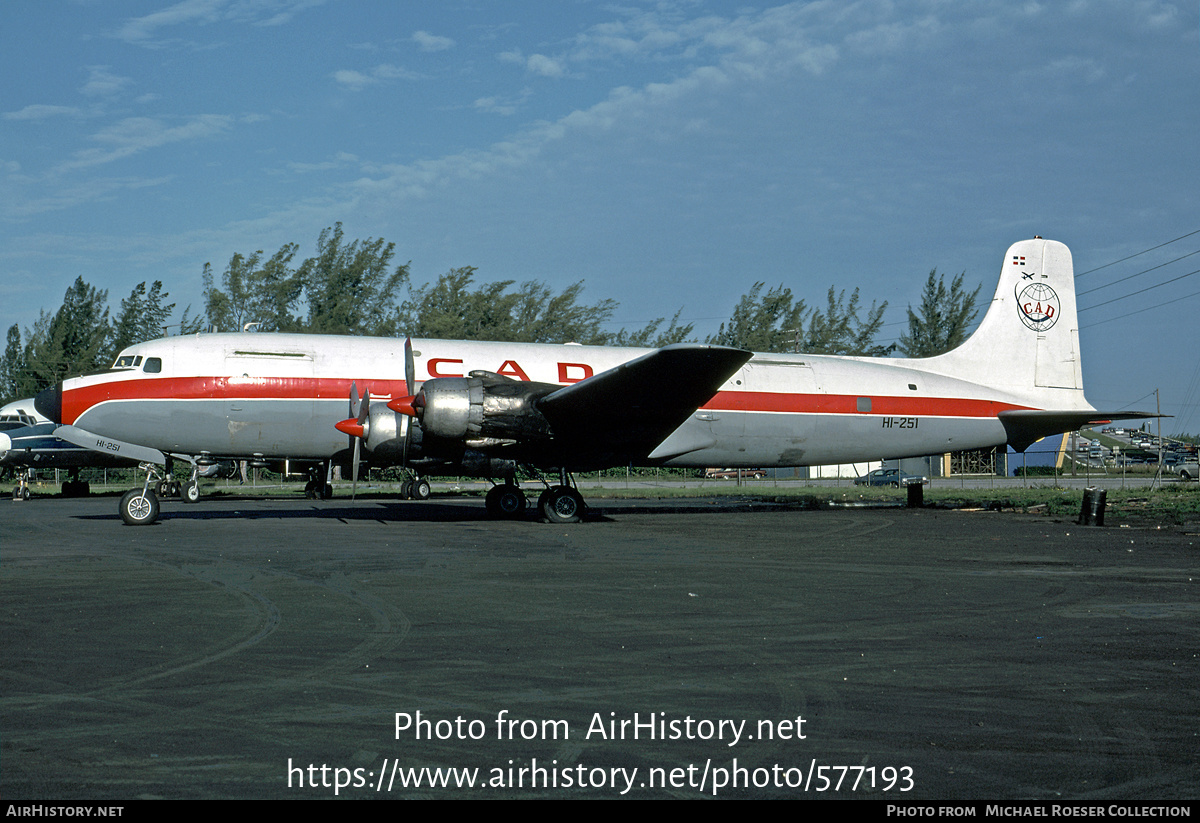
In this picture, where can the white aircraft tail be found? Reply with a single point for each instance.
(1028, 342)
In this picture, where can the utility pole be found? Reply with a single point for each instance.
(1158, 411)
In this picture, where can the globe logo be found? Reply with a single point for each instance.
(1037, 304)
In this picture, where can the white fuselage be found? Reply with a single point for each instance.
(279, 395)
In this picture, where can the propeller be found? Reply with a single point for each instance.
(356, 427)
(407, 405)
(404, 405)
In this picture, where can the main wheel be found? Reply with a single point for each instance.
(506, 501)
(189, 492)
(139, 508)
(421, 490)
(562, 504)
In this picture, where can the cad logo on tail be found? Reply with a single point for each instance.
(1038, 306)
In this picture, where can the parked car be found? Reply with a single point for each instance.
(732, 474)
(890, 477)
(1189, 471)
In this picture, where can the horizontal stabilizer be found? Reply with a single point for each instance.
(632, 408)
(1026, 427)
(107, 445)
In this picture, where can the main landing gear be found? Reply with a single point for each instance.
(414, 487)
(557, 504)
(318, 486)
(20, 491)
(188, 490)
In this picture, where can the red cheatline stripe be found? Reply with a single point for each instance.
(848, 404)
(76, 401)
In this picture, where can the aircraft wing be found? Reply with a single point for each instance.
(632, 408)
(1025, 427)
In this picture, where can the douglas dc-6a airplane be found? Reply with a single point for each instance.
(483, 409)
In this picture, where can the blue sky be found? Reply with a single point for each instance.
(669, 154)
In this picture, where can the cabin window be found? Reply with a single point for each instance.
(153, 365)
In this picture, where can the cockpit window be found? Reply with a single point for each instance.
(128, 361)
(153, 365)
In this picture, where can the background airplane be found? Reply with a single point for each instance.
(20, 413)
(29, 448)
(486, 409)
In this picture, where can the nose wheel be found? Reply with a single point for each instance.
(139, 507)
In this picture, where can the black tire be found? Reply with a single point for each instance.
(406, 489)
(139, 508)
(562, 504)
(189, 492)
(421, 490)
(506, 502)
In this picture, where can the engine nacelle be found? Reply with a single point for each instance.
(483, 410)
(385, 433)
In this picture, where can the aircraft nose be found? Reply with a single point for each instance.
(48, 402)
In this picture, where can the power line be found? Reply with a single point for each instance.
(1130, 257)
(1139, 311)
(1139, 274)
(1142, 291)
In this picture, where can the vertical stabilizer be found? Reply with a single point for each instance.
(1028, 342)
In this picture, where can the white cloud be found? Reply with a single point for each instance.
(41, 112)
(538, 64)
(431, 42)
(545, 66)
(143, 30)
(103, 83)
(135, 135)
(353, 79)
(356, 80)
(502, 105)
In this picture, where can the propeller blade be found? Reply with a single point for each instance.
(354, 400)
(410, 369)
(354, 470)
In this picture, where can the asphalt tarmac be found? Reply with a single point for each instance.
(293, 649)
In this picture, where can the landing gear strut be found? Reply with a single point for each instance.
(187, 490)
(318, 486)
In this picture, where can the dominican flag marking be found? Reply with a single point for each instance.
(1018, 261)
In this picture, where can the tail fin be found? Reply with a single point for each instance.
(1028, 342)
(1028, 347)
